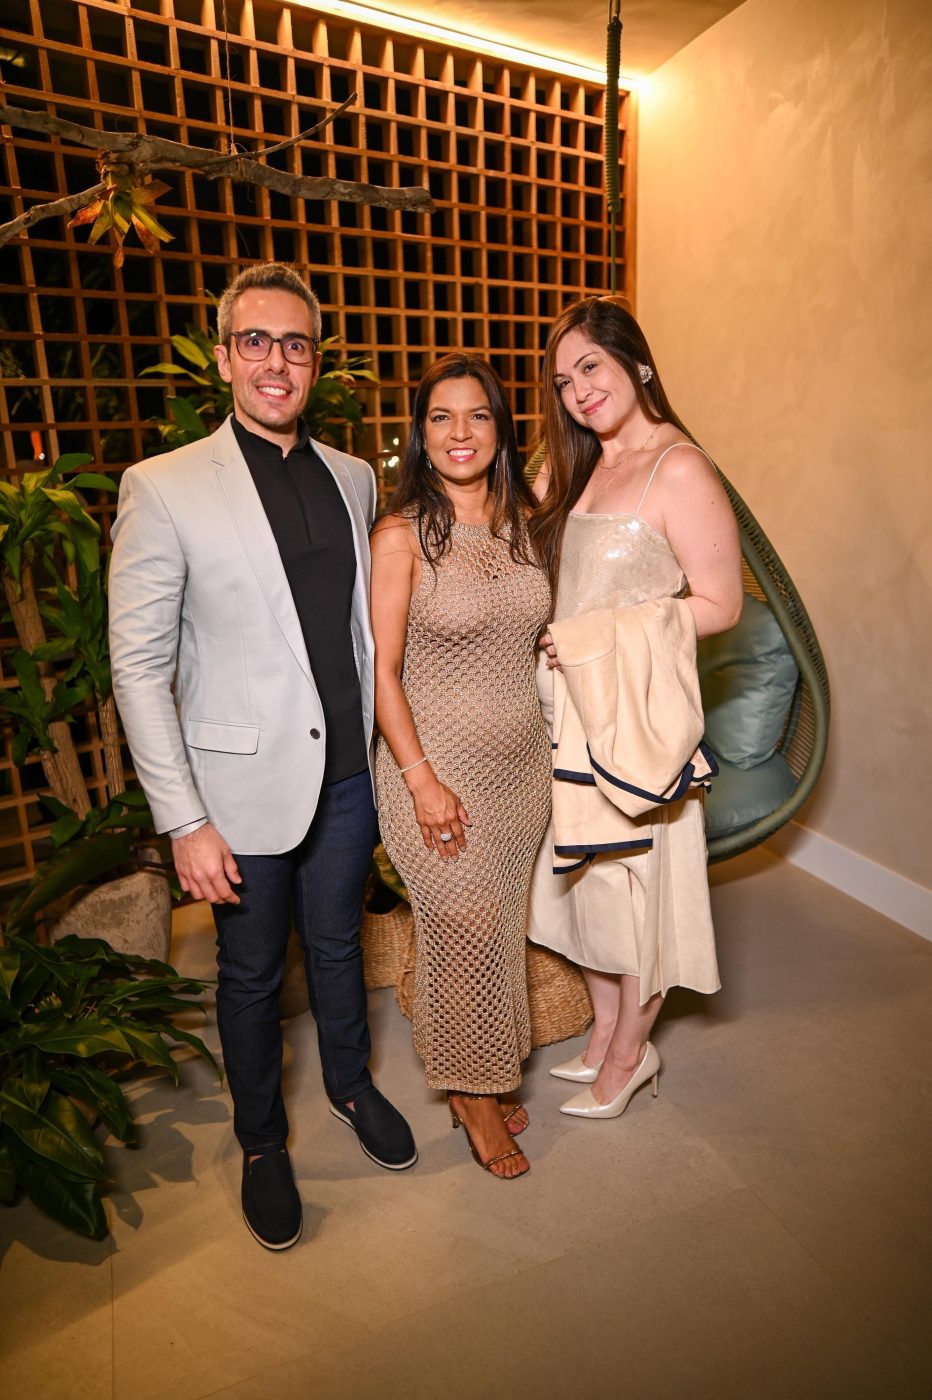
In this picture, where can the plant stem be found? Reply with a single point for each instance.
(61, 768)
(110, 743)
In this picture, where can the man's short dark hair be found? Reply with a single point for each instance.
(266, 277)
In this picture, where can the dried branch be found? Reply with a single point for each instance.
(68, 205)
(301, 136)
(146, 153)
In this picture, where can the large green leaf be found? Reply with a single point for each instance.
(142, 987)
(196, 1044)
(58, 1132)
(27, 673)
(133, 797)
(65, 828)
(89, 1035)
(50, 958)
(93, 481)
(92, 1086)
(191, 351)
(22, 1149)
(74, 1204)
(73, 949)
(187, 418)
(77, 864)
(69, 462)
(13, 558)
(9, 969)
(65, 499)
(151, 1049)
(33, 981)
(35, 1079)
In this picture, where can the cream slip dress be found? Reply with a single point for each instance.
(645, 913)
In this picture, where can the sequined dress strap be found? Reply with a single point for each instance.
(637, 509)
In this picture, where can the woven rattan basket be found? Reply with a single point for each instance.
(385, 940)
(557, 996)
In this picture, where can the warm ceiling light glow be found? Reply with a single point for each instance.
(453, 38)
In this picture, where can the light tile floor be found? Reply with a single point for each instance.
(760, 1230)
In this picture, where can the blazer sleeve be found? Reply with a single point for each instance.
(147, 581)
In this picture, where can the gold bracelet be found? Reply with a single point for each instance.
(425, 759)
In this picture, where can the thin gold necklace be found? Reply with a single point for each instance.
(623, 461)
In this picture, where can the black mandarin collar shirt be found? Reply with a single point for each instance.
(314, 536)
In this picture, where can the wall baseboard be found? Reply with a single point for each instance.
(892, 895)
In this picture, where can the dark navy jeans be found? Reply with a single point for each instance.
(322, 881)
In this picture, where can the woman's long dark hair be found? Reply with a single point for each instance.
(572, 450)
(419, 493)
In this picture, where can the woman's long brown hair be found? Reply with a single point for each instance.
(572, 450)
(419, 494)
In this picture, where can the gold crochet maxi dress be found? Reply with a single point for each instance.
(469, 678)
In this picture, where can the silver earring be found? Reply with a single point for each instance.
(429, 464)
(646, 373)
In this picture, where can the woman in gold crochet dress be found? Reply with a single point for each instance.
(463, 764)
(631, 511)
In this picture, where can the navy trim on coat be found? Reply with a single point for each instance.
(568, 869)
(566, 775)
(596, 849)
(710, 759)
(682, 788)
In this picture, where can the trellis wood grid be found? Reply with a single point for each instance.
(510, 154)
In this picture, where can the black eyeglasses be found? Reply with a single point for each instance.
(257, 345)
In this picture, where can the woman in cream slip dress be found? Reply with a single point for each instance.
(631, 510)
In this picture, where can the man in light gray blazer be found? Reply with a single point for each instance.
(243, 671)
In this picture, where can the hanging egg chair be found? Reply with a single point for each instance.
(766, 696)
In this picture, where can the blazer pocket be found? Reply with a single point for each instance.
(221, 736)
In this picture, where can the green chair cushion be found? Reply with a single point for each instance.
(740, 796)
(747, 677)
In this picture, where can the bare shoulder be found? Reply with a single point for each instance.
(685, 464)
(687, 482)
(392, 534)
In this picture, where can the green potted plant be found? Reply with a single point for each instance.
(73, 1020)
(53, 576)
(43, 520)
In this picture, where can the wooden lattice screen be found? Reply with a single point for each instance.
(510, 154)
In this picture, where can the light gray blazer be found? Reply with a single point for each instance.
(210, 671)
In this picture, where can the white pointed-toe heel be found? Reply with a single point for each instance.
(585, 1104)
(577, 1070)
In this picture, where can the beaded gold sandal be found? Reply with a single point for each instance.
(493, 1161)
(509, 1109)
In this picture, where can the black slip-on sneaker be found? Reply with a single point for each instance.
(271, 1204)
(383, 1133)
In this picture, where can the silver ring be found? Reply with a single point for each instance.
(446, 835)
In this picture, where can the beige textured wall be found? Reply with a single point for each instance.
(785, 284)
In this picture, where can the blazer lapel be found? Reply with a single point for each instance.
(354, 507)
(358, 521)
(252, 525)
